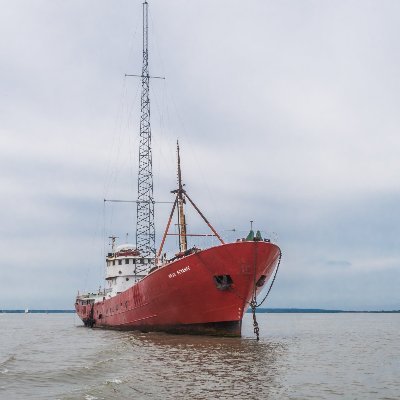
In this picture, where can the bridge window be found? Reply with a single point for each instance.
(126, 260)
(119, 262)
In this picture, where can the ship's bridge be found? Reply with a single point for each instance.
(125, 266)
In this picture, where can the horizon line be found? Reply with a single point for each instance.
(285, 310)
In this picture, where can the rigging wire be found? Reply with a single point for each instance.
(109, 177)
(167, 98)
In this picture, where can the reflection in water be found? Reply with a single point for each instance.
(167, 366)
(298, 357)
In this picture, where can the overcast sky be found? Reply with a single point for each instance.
(287, 114)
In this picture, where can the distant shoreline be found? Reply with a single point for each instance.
(319, 311)
(37, 311)
(259, 310)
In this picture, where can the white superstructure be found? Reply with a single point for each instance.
(125, 266)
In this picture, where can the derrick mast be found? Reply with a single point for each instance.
(145, 229)
(181, 202)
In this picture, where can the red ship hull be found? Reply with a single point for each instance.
(184, 296)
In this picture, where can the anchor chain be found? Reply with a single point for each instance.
(253, 303)
(273, 279)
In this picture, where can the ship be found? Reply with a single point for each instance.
(197, 290)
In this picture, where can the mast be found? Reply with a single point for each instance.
(145, 229)
(181, 202)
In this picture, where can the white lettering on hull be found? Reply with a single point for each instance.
(179, 272)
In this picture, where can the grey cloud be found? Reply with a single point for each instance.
(287, 113)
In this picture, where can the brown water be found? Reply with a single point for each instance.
(299, 356)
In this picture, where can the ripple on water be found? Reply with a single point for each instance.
(298, 356)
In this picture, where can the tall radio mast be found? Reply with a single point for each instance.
(145, 230)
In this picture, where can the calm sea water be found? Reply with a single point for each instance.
(299, 356)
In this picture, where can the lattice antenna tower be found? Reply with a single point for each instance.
(145, 229)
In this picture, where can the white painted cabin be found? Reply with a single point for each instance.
(125, 267)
